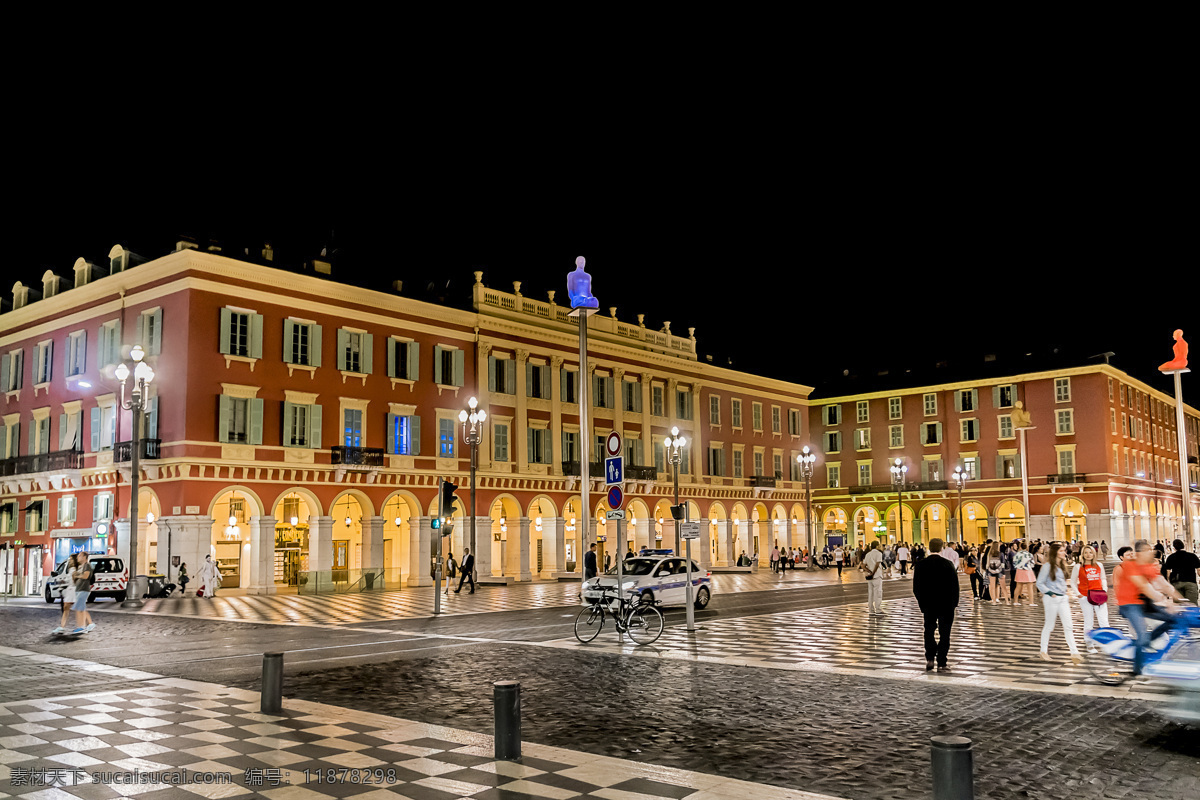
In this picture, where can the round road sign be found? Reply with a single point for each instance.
(613, 444)
(616, 497)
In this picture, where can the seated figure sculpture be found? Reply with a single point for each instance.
(1180, 360)
(1020, 417)
(579, 287)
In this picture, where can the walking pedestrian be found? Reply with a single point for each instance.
(209, 577)
(451, 565)
(872, 565)
(1055, 588)
(84, 579)
(1104, 549)
(67, 598)
(995, 573)
(838, 556)
(935, 585)
(1088, 577)
(1180, 568)
(183, 579)
(589, 562)
(468, 571)
(971, 567)
(1143, 593)
(1023, 574)
(902, 556)
(775, 559)
(607, 561)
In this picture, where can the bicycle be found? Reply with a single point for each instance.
(1178, 658)
(643, 622)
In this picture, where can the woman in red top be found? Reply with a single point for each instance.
(1088, 574)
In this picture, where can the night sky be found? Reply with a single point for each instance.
(799, 265)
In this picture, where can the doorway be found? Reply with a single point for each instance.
(341, 558)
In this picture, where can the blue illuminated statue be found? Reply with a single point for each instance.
(579, 287)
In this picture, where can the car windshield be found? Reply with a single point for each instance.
(106, 564)
(636, 566)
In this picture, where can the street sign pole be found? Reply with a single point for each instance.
(616, 500)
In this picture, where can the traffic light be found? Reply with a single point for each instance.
(446, 506)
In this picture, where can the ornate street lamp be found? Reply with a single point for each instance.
(807, 460)
(143, 374)
(472, 430)
(899, 474)
(960, 480)
(673, 445)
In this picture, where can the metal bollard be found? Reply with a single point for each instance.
(506, 696)
(953, 768)
(272, 683)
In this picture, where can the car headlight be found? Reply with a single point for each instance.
(629, 585)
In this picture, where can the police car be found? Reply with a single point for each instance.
(111, 578)
(657, 576)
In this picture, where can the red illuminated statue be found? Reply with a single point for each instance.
(1180, 360)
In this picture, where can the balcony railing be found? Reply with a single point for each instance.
(1067, 478)
(365, 457)
(43, 462)
(763, 481)
(123, 451)
(887, 488)
(595, 469)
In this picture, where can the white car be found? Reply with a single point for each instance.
(660, 578)
(111, 579)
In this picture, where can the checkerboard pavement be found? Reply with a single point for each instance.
(991, 645)
(164, 729)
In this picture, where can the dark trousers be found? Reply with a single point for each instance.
(903, 567)
(941, 622)
(466, 576)
(977, 584)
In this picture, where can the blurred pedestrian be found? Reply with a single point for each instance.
(468, 571)
(1089, 579)
(995, 574)
(1055, 588)
(589, 562)
(1180, 570)
(872, 565)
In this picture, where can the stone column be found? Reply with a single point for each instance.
(618, 406)
(643, 533)
(1099, 529)
(647, 436)
(320, 545)
(702, 547)
(993, 528)
(559, 567)
(483, 541)
(518, 550)
(260, 564)
(486, 447)
(421, 552)
(1041, 526)
(372, 544)
(120, 528)
(724, 543)
(191, 540)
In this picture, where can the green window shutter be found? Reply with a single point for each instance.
(437, 365)
(95, 507)
(289, 414)
(224, 412)
(256, 421)
(95, 423)
(343, 342)
(1000, 467)
(974, 399)
(510, 376)
(547, 447)
(5, 366)
(545, 373)
(156, 334)
(958, 401)
(459, 368)
(256, 332)
(595, 387)
(1017, 467)
(529, 446)
(939, 433)
(414, 436)
(414, 360)
(49, 361)
(491, 373)
(37, 362)
(314, 345)
(152, 419)
(314, 427)
(391, 431)
(391, 351)
(563, 377)
(289, 333)
(368, 352)
(3, 441)
(995, 397)
(226, 327)
(528, 379)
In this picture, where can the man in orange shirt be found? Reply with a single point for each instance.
(1142, 578)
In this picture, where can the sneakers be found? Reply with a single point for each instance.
(1076, 659)
(79, 630)
(1045, 656)
(91, 627)
(59, 629)
(929, 666)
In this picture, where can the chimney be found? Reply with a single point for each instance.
(268, 253)
(397, 286)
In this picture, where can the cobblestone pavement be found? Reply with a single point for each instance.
(188, 739)
(849, 736)
(23, 674)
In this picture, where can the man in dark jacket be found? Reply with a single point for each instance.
(589, 563)
(468, 571)
(935, 585)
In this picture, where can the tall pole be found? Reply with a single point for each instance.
(437, 559)
(1025, 486)
(1184, 478)
(674, 448)
(808, 517)
(585, 438)
(474, 466)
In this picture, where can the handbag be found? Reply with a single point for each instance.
(1097, 597)
(970, 570)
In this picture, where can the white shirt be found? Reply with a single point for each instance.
(902, 554)
(950, 554)
(873, 560)
(838, 555)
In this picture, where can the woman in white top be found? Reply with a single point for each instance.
(839, 555)
(209, 577)
(1088, 574)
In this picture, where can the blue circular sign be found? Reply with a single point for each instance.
(616, 497)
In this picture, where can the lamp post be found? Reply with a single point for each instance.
(806, 460)
(472, 427)
(960, 480)
(673, 445)
(899, 474)
(143, 374)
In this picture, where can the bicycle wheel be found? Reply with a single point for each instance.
(1110, 668)
(588, 623)
(644, 624)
